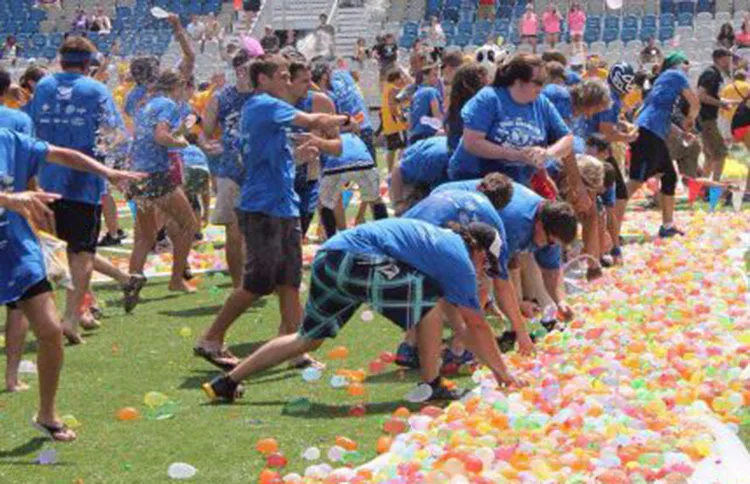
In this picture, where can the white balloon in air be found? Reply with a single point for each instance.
(159, 12)
(614, 4)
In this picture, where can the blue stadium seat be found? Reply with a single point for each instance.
(466, 15)
(685, 7)
(648, 21)
(703, 6)
(612, 22)
(483, 26)
(610, 35)
(410, 28)
(685, 19)
(667, 6)
(49, 53)
(518, 11)
(502, 24)
(406, 41)
(646, 33)
(666, 33)
(666, 20)
(448, 27)
(630, 22)
(480, 38)
(465, 28)
(628, 34)
(593, 21)
(39, 40)
(592, 35)
(451, 14)
(463, 39)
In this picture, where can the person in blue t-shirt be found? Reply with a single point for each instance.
(533, 224)
(509, 128)
(268, 209)
(598, 147)
(649, 155)
(197, 180)
(427, 102)
(12, 119)
(490, 195)
(557, 92)
(157, 130)
(23, 278)
(73, 110)
(468, 80)
(223, 111)
(306, 181)
(422, 166)
(415, 274)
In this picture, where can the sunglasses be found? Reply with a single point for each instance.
(538, 82)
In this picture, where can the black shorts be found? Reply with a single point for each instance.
(621, 190)
(366, 135)
(419, 137)
(273, 252)
(41, 287)
(649, 156)
(395, 141)
(341, 281)
(155, 185)
(78, 224)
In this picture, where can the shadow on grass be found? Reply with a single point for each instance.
(32, 445)
(325, 411)
(194, 312)
(401, 375)
(199, 377)
(118, 303)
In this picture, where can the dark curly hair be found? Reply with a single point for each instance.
(467, 81)
(498, 188)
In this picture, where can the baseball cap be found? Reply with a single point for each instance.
(491, 242)
(675, 58)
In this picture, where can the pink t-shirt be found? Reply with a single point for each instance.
(577, 21)
(529, 24)
(551, 22)
(743, 39)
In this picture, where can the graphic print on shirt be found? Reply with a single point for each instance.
(6, 186)
(518, 133)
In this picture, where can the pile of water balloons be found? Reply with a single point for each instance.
(616, 397)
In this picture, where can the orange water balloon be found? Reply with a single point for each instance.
(128, 414)
(267, 446)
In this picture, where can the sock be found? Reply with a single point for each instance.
(328, 218)
(668, 225)
(379, 211)
(436, 383)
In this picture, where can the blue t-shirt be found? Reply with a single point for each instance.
(434, 251)
(73, 111)
(148, 155)
(135, 100)
(505, 122)
(194, 157)
(426, 162)
(230, 102)
(611, 115)
(16, 120)
(658, 105)
(559, 96)
(354, 156)
(268, 185)
(420, 107)
(21, 257)
(462, 207)
(608, 198)
(519, 217)
(348, 98)
(572, 77)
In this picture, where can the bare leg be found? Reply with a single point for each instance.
(16, 327)
(291, 315)
(109, 210)
(237, 303)
(177, 208)
(390, 159)
(667, 209)
(102, 265)
(275, 352)
(81, 267)
(235, 253)
(145, 236)
(42, 314)
(429, 337)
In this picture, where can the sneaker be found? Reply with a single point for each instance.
(606, 261)
(407, 356)
(109, 240)
(553, 325)
(665, 232)
(132, 290)
(465, 358)
(187, 274)
(441, 392)
(223, 389)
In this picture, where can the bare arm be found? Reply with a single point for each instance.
(187, 65)
(553, 284)
(164, 136)
(79, 161)
(319, 121)
(479, 338)
(695, 106)
(507, 299)
(615, 135)
(210, 120)
(329, 140)
(477, 144)
(560, 148)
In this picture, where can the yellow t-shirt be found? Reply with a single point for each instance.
(393, 121)
(735, 91)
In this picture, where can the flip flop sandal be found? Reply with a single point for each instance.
(52, 432)
(131, 291)
(90, 325)
(215, 357)
(73, 338)
(307, 363)
(96, 312)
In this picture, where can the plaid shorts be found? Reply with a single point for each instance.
(342, 281)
